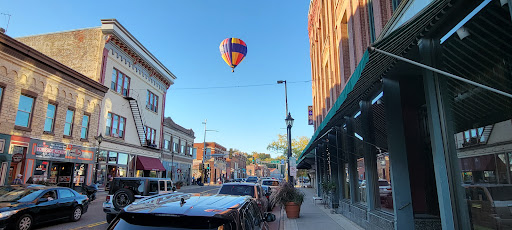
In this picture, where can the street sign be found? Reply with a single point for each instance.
(293, 162)
(282, 161)
(293, 171)
(310, 115)
(275, 162)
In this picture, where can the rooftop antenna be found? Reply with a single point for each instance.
(8, 20)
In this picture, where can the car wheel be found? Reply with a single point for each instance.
(24, 222)
(122, 198)
(77, 214)
(110, 217)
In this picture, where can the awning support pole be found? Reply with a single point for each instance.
(442, 72)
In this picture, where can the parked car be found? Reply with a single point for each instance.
(490, 205)
(239, 180)
(274, 184)
(253, 190)
(252, 179)
(125, 190)
(22, 207)
(192, 211)
(384, 188)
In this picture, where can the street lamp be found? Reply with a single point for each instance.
(289, 124)
(99, 139)
(285, 94)
(204, 150)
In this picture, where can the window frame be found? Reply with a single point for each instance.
(2, 86)
(116, 83)
(86, 128)
(56, 104)
(152, 101)
(111, 127)
(32, 95)
(152, 132)
(70, 108)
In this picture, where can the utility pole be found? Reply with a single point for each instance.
(204, 153)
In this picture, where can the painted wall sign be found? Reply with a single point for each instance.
(59, 151)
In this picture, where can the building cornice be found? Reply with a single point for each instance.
(120, 36)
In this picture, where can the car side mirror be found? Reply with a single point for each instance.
(174, 189)
(42, 199)
(269, 217)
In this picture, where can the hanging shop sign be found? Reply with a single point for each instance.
(55, 150)
(310, 115)
(17, 157)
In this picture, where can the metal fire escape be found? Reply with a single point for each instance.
(137, 118)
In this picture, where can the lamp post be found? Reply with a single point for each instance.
(99, 139)
(289, 124)
(285, 94)
(204, 150)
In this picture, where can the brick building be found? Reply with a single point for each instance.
(177, 154)
(132, 110)
(215, 158)
(48, 118)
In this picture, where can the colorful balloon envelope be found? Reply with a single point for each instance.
(233, 51)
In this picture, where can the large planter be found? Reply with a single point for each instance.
(292, 210)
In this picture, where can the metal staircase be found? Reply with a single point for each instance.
(486, 133)
(137, 117)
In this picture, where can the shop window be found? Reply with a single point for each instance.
(152, 102)
(347, 183)
(102, 157)
(120, 82)
(122, 159)
(112, 157)
(115, 125)
(49, 122)
(502, 169)
(85, 127)
(384, 182)
(24, 114)
(361, 189)
(68, 126)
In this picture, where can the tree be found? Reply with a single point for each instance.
(281, 145)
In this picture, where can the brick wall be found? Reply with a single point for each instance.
(81, 50)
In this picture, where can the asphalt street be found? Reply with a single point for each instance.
(94, 219)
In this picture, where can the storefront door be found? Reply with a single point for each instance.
(61, 174)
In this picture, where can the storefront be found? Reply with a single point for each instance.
(112, 164)
(5, 158)
(54, 163)
(177, 171)
(148, 167)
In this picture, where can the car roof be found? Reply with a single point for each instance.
(194, 204)
(241, 183)
(140, 178)
(270, 180)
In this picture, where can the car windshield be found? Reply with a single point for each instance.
(271, 183)
(501, 193)
(239, 190)
(144, 221)
(20, 195)
(383, 183)
(252, 179)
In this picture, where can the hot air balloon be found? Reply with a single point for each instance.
(233, 51)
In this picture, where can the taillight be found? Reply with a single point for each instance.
(389, 188)
(107, 198)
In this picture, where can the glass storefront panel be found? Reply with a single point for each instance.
(102, 157)
(101, 176)
(347, 183)
(361, 176)
(112, 158)
(385, 186)
(122, 159)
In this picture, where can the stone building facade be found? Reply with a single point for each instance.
(177, 151)
(48, 118)
(132, 111)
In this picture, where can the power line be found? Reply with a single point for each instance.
(235, 86)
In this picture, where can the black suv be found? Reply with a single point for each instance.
(192, 211)
(125, 190)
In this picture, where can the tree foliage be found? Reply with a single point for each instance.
(281, 145)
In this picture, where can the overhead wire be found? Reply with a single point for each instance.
(237, 86)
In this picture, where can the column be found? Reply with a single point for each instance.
(352, 160)
(370, 157)
(399, 170)
(333, 150)
(341, 164)
(452, 205)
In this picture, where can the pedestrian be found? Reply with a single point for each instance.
(17, 180)
(30, 180)
(193, 179)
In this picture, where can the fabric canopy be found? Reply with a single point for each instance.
(148, 163)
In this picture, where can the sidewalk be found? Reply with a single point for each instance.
(315, 216)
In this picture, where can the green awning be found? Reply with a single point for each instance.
(373, 66)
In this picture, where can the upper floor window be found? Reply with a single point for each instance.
(150, 135)
(152, 102)
(166, 144)
(473, 136)
(182, 149)
(1, 94)
(115, 125)
(85, 127)
(176, 147)
(49, 122)
(24, 114)
(68, 126)
(120, 82)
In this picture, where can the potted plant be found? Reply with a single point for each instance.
(178, 184)
(329, 187)
(291, 198)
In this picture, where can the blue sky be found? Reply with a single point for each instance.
(185, 37)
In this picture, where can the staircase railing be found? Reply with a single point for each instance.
(137, 118)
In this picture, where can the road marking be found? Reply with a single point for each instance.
(208, 190)
(90, 225)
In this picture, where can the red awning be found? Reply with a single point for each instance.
(148, 163)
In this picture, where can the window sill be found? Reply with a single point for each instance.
(151, 110)
(84, 140)
(120, 94)
(48, 133)
(27, 129)
(67, 137)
